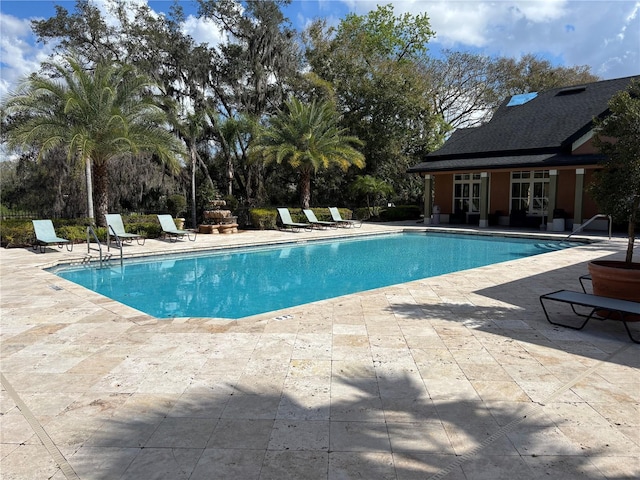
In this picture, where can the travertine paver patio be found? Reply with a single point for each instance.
(453, 377)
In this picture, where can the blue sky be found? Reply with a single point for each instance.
(604, 34)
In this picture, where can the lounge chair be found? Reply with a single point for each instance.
(287, 222)
(169, 229)
(335, 215)
(605, 307)
(46, 235)
(313, 220)
(115, 229)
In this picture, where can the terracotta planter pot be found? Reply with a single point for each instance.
(616, 280)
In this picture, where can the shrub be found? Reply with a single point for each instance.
(263, 218)
(400, 212)
(145, 225)
(176, 204)
(231, 202)
(322, 214)
(16, 233)
(361, 213)
(77, 233)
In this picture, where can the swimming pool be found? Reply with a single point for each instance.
(242, 282)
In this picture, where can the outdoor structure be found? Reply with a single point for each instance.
(528, 166)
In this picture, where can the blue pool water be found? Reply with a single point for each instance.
(242, 282)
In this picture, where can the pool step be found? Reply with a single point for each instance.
(552, 247)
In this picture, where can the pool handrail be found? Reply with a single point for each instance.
(592, 219)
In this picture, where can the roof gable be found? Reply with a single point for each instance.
(545, 122)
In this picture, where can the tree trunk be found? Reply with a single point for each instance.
(305, 188)
(194, 159)
(633, 218)
(101, 186)
(229, 176)
(89, 176)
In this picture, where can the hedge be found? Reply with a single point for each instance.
(19, 232)
(400, 212)
(267, 218)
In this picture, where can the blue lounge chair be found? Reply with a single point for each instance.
(169, 229)
(335, 215)
(313, 220)
(46, 235)
(115, 229)
(287, 222)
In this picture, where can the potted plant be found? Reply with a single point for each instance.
(616, 190)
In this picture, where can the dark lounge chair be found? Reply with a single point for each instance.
(605, 307)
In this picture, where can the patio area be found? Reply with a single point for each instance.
(456, 377)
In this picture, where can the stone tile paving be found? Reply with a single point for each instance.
(455, 377)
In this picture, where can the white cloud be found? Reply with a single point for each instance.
(203, 31)
(539, 11)
(18, 55)
(602, 34)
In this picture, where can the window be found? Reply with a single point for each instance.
(530, 192)
(466, 193)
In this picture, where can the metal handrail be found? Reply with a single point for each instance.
(91, 231)
(118, 242)
(592, 219)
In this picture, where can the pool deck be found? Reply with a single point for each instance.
(456, 377)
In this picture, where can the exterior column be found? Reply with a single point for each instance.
(484, 200)
(553, 194)
(577, 202)
(428, 198)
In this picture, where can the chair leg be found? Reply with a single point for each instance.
(588, 317)
(626, 326)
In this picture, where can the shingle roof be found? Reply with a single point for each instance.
(544, 125)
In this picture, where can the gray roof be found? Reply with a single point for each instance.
(542, 128)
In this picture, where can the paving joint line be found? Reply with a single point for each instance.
(46, 440)
(530, 410)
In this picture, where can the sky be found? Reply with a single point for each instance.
(603, 34)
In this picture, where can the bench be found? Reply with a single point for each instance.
(623, 310)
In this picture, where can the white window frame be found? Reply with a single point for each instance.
(466, 192)
(529, 191)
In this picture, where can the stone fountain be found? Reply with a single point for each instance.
(218, 220)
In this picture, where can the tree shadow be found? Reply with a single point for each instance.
(392, 424)
(513, 310)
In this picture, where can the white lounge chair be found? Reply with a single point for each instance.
(169, 229)
(46, 235)
(115, 229)
(335, 215)
(313, 220)
(287, 222)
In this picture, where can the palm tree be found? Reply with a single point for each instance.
(371, 187)
(308, 138)
(96, 115)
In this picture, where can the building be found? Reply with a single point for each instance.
(528, 166)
